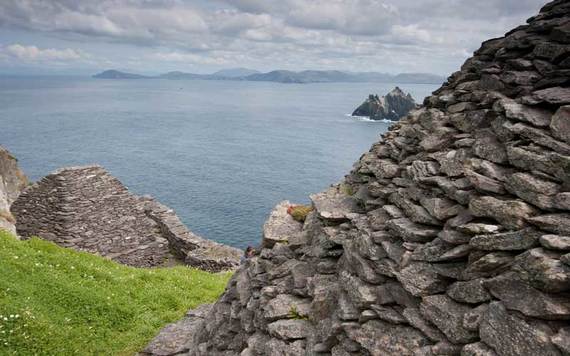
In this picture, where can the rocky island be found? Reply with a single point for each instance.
(392, 106)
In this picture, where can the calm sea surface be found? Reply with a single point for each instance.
(221, 153)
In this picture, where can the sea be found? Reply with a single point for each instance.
(222, 154)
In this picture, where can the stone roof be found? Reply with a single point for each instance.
(87, 209)
(450, 236)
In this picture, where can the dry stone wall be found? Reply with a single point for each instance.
(12, 182)
(87, 209)
(451, 236)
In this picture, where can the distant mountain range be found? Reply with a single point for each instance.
(286, 76)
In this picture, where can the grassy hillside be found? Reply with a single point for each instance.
(56, 301)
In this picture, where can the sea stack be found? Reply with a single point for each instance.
(393, 106)
(449, 237)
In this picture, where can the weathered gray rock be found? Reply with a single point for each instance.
(280, 226)
(515, 111)
(533, 190)
(471, 291)
(477, 349)
(484, 184)
(384, 339)
(554, 96)
(12, 182)
(472, 319)
(489, 265)
(421, 279)
(562, 340)
(410, 231)
(510, 213)
(555, 242)
(511, 336)
(447, 315)
(173, 339)
(290, 329)
(543, 269)
(415, 319)
(557, 223)
(507, 241)
(334, 204)
(560, 124)
(285, 306)
(518, 295)
(488, 146)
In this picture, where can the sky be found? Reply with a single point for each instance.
(202, 36)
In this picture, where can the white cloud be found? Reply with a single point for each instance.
(33, 53)
(382, 35)
(190, 58)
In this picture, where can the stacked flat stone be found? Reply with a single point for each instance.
(456, 240)
(87, 209)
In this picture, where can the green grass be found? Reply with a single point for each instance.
(56, 301)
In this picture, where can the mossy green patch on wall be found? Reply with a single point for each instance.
(56, 301)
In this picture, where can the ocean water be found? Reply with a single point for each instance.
(221, 153)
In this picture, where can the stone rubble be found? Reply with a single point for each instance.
(87, 209)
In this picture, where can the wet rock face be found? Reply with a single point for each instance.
(85, 208)
(392, 106)
(449, 237)
(12, 182)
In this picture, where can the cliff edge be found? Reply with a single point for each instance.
(12, 182)
(451, 236)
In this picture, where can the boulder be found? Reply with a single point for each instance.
(280, 226)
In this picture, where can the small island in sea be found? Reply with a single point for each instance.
(392, 106)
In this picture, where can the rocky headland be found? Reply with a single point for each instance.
(392, 106)
(451, 236)
(12, 182)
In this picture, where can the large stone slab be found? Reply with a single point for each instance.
(448, 315)
(518, 295)
(334, 204)
(509, 335)
(280, 226)
(380, 338)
